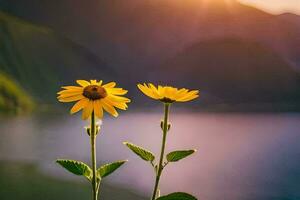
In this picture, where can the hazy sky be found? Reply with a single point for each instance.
(276, 6)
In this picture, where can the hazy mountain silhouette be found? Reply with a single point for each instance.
(290, 18)
(144, 32)
(234, 71)
(41, 60)
(145, 39)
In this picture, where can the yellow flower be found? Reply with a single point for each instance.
(93, 96)
(168, 94)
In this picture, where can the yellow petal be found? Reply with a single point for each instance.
(120, 105)
(147, 91)
(72, 98)
(168, 92)
(173, 93)
(87, 111)
(116, 91)
(144, 90)
(83, 83)
(189, 96)
(98, 109)
(69, 94)
(120, 99)
(72, 87)
(180, 93)
(109, 85)
(70, 91)
(94, 82)
(154, 91)
(79, 105)
(109, 108)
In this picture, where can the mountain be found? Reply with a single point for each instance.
(13, 98)
(234, 71)
(136, 33)
(290, 18)
(236, 54)
(41, 60)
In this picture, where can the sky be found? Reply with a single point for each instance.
(276, 6)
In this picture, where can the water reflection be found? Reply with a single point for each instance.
(253, 156)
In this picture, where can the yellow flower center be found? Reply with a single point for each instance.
(94, 92)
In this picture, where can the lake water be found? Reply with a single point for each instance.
(240, 156)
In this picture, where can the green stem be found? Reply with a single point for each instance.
(162, 152)
(93, 151)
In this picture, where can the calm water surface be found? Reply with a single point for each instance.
(240, 156)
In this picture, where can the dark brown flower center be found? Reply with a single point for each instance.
(167, 100)
(94, 92)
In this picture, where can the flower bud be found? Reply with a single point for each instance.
(162, 125)
(88, 130)
(97, 129)
(169, 126)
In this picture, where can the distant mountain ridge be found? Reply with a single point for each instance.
(144, 32)
(234, 71)
(235, 54)
(290, 17)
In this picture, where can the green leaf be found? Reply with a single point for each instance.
(178, 155)
(177, 196)
(109, 168)
(141, 152)
(76, 167)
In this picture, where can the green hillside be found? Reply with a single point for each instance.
(13, 99)
(41, 60)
